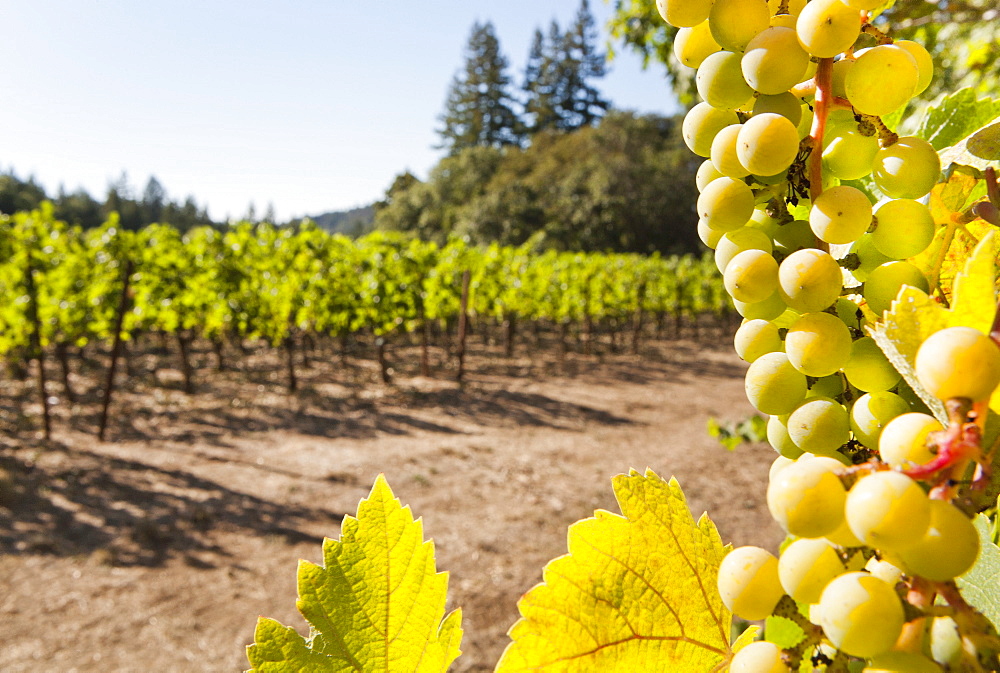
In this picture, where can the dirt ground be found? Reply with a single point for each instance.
(158, 549)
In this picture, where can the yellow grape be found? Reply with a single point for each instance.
(903, 442)
(840, 215)
(725, 204)
(767, 144)
(774, 61)
(773, 385)
(887, 510)
(724, 155)
(758, 657)
(907, 169)
(860, 614)
(884, 283)
(947, 549)
(720, 81)
(778, 438)
(868, 368)
(693, 45)
(735, 22)
(958, 362)
(819, 425)
(925, 63)
(810, 280)
(827, 27)
(901, 662)
(818, 344)
(882, 80)
(806, 566)
(683, 13)
(769, 309)
(700, 125)
(904, 228)
(807, 497)
(847, 153)
(748, 582)
(734, 242)
(872, 412)
(784, 104)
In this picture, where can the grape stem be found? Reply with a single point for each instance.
(879, 36)
(821, 110)
(885, 136)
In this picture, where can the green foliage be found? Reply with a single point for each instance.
(732, 435)
(981, 585)
(376, 604)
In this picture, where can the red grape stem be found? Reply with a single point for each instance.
(821, 110)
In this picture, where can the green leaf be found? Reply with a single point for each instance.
(376, 604)
(981, 585)
(635, 592)
(985, 143)
(783, 632)
(956, 117)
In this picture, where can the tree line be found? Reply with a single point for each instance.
(549, 162)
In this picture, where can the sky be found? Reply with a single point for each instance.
(305, 105)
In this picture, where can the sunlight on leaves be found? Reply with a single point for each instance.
(376, 604)
(636, 591)
(981, 585)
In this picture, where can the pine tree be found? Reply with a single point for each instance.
(580, 102)
(541, 82)
(479, 110)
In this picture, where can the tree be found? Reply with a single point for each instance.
(153, 199)
(541, 82)
(580, 102)
(479, 110)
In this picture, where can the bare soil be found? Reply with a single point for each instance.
(158, 549)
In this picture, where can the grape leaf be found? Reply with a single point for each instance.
(956, 117)
(636, 591)
(981, 585)
(376, 604)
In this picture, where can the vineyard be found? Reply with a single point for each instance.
(309, 294)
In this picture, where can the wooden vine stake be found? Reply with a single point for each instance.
(37, 351)
(116, 348)
(463, 325)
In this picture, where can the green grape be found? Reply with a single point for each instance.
(751, 276)
(887, 510)
(827, 386)
(735, 22)
(837, 77)
(710, 237)
(720, 81)
(761, 221)
(903, 442)
(794, 7)
(840, 215)
(805, 124)
(819, 425)
(784, 104)
(810, 280)
(769, 309)
(748, 582)
(868, 368)
(806, 566)
(774, 62)
(901, 662)
(882, 79)
(925, 63)
(847, 153)
(947, 549)
(700, 125)
(958, 362)
(860, 614)
(907, 169)
(904, 228)
(706, 173)
(870, 414)
(694, 44)
(724, 156)
(726, 204)
(767, 144)
(807, 497)
(755, 338)
(884, 283)
(777, 437)
(735, 242)
(869, 257)
(758, 657)
(773, 385)
(849, 312)
(684, 13)
(827, 28)
(818, 344)
(794, 235)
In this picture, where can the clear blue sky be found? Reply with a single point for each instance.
(310, 105)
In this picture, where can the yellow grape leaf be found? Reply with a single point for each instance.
(636, 592)
(914, 316)
(953, 240)
(377, 603)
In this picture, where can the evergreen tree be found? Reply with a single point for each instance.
(541, 82)
(580, 103)
(479, 110)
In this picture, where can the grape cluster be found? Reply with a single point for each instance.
(792, 98)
